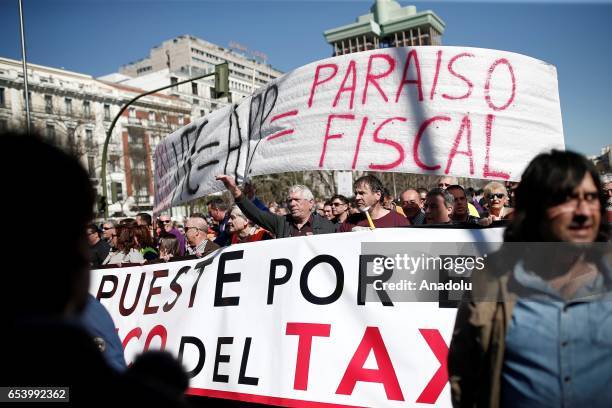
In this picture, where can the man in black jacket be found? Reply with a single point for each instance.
(299, 222)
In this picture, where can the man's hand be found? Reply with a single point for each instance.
(230, 184)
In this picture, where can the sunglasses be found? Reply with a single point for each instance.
(164, 221)
(337, 204)
(107, 228)
(496, 195)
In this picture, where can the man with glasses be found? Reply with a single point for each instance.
(537, 328)
(108, 230)
(98, 248)
(340, 207)
(168, 226)
(412, 204)
(196, 232)
(299, 222)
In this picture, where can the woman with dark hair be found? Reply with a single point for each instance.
(550, 181)
(144, 242)
(168, 247)
(124, 247)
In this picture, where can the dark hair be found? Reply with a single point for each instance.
(130, 222)
(387, 193)
(161, 371)
(125, 238)
(93, 227)
(373, 182)
(47, 173)
(339, 197)
(547, 181)
(456, 187)
(448, 198)
(143, 236)
(169, 243)
(146, 217)
(218, 204)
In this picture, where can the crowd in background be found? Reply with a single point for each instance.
(145, 240)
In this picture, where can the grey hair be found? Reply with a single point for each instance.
(300, 188)
(449, 200)
(238, 211)
(112, 222)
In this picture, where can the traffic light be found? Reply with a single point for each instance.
(222, 81)
(101, 204)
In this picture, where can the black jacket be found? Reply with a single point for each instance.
(279, 225)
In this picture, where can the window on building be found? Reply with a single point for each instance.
(132, 112)
(50, 132)
(48, 104)
(202, 112)
(116, 191)
(2, 100)
(173, 80)
(29, 99)
(152, 116)
(70, 133)
(91, 166)
(107, 115)
(196, 101)
(86, 108)
(89, 135)
(181, 120)
(194, 88)
(68, 106)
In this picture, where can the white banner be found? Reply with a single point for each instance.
(429, 110)
(280, 321)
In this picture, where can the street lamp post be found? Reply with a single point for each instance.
(221, 73)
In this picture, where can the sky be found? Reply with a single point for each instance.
(96, 37)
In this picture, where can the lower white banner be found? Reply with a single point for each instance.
(291, 321)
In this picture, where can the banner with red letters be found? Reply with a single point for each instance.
(429, 110)
(286, 322)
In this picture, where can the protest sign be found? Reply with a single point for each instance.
(428, 110)
(282, 322)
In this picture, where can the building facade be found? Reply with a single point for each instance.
(186, 57)
(74, 111)
(603, 161)
(387, 25)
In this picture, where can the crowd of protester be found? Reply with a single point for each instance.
(248, 219)
(544, 340)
